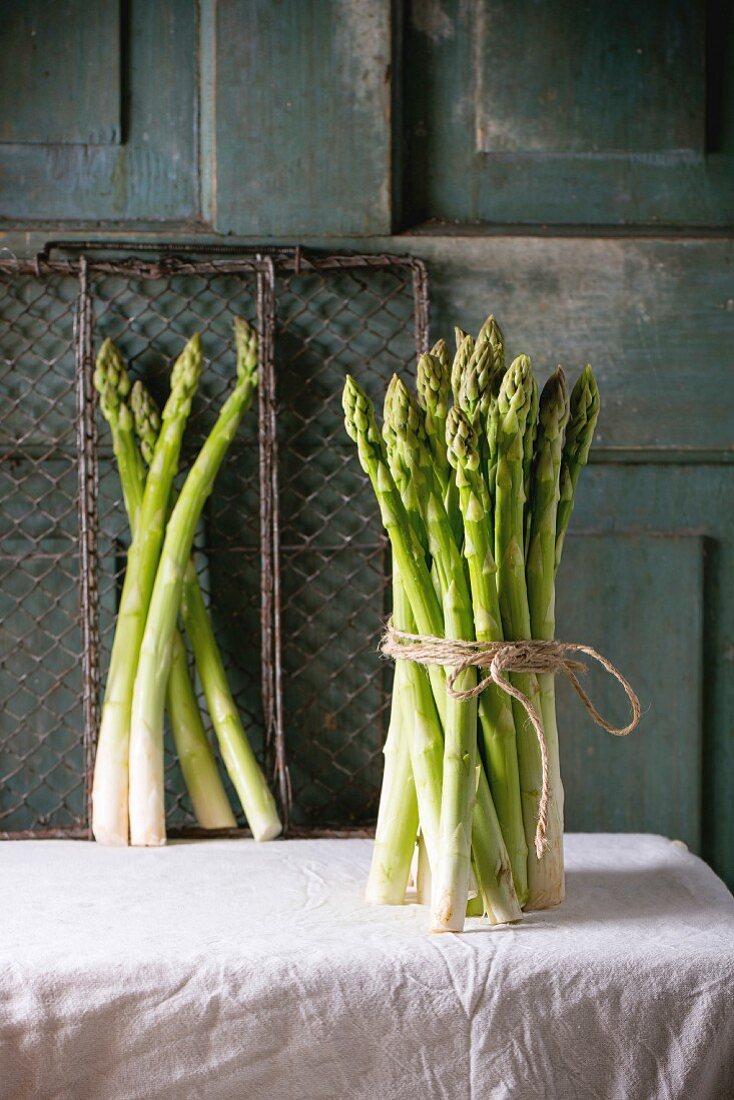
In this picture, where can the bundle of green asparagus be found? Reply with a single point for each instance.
(149, 665)
(475, 476)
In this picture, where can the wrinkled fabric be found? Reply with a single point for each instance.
(228, 969)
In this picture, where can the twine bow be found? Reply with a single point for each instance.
(501, 658)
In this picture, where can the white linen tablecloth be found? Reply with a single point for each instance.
(225, 968)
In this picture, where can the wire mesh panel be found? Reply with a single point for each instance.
(290, 553)
(42, 761)
(334, 317)
(150, 311)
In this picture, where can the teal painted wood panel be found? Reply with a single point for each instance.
(298, 100)
(74, 46)
(598, 78)
(615, 592)
(672, 499)
(447, 179)
(654, 317)
(153, 175)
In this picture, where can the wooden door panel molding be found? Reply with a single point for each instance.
(61, 73)
(569, 76)
(655, 318)
(527, 113)
(638, 598)
(693, 504)
(153, 175)
(298, 112)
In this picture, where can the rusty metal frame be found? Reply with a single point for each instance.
(265, 263)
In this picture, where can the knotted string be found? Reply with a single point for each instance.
(500, 659)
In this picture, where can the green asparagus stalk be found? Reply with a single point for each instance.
(528, 446)
(495, 710)
(110, 786)
(492, 333)
(463, 355)
(425, 728)
(474, 383)
(433, 385)
(393, 852)
(452, 874)
(585, 406)
(540, 572)
(208, 797)
(440, 351)
(112, 383)
(198, 766)
(424, 733)
(397, 816)
(491, 864)
(514, 402)
(459, 336)
(423, 874)
(458, 623)
(147, 817)
(401, 474)
(237, 755)
(407, 554)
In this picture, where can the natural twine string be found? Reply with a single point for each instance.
(500, 658)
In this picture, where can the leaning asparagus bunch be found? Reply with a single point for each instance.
(149, 664)
(475, 499)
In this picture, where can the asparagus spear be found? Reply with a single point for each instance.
(198, 765)
(440, 351)
(110, 786)
(514, 401)
(237, 755)
(585, 406)
(493, 334)
(147, 817)
(428, 713)
(451, 875)
(463, 355)
(397, 815)
(460, 761)
(395, 834)
(474, 382)
(540, 572)
(459, 336)
(112, 383)
(433, 385)
(425, 728)
(424, 732)
(528, 446)
(497, 722)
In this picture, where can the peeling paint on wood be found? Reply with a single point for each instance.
(591, 156)
(61, 72)
(153, 175)
(303, 117)
(647, 314)
(430, 18)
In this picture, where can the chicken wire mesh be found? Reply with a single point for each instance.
(330, 546)
(42, 758)
(289, 550)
